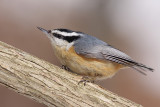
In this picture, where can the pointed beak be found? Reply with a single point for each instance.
(43, 30)
(47, 32)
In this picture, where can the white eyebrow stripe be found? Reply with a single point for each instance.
(66, 33)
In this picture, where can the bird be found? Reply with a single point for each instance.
(89, 56)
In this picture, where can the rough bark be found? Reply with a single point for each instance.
(51, 85)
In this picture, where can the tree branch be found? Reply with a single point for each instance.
(50, 85)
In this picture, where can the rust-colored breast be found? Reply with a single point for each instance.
(86, 66)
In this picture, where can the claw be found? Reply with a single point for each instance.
(65, 68)
(86, 79)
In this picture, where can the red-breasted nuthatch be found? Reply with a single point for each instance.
(88, 56)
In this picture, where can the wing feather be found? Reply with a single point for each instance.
(92, 47)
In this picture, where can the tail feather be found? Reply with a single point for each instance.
(145, 67)
(140, 70)
(130, 63)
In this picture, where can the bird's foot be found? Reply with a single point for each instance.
(86, 79)
(65, 68)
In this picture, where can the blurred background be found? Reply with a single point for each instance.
(132, 26)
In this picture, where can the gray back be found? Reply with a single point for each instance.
(92, 47)
(89, 46)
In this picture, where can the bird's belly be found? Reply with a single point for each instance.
(95, 68)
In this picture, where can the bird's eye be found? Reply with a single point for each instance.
(58, 35)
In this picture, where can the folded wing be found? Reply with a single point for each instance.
(103, 51)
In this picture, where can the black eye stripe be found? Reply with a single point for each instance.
(58, 35)
(67, 38)
(71, 39)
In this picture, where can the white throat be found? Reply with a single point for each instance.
(61, 43)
